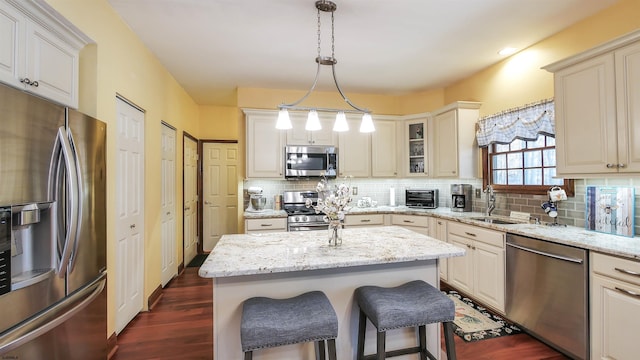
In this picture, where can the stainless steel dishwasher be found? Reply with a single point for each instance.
(547, 292)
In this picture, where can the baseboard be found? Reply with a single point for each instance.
(154, 297)
(112, 345)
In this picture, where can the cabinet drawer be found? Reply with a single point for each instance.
(491, 237)
(267, 224)
(615, 267)
(410, 220)
(369, 219)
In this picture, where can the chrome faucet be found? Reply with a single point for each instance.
(491, 199)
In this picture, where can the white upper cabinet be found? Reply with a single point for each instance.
(597, 105)
(416, 144)
(299, 136)
(39, 51)
(384, 162)
(354, 151)
(455, 151)
(265, 145)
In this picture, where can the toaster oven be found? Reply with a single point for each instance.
(422, 199)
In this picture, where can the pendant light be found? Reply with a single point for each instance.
(313, 121)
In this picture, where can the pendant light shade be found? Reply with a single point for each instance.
(324, 7)
(366, 125)
(284, 122)
(313, 121)
(341, 122)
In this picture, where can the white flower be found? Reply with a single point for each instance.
(332, 203)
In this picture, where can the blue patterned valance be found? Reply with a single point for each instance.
(520, 123)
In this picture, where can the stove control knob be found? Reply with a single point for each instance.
(306, 219)
(297, 218)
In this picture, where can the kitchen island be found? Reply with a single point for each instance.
(286, 264)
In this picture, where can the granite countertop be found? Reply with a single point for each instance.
(265, 214)
(569, 235)
(264, 253)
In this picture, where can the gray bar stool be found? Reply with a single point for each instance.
(270, 322)
(413, 304)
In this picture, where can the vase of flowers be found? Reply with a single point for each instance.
(333, 203)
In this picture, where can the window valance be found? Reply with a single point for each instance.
(519, 123)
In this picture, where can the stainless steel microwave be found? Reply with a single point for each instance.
(423, 199)
(310, 161)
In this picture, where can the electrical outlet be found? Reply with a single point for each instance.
(478, 194)
(354, 190)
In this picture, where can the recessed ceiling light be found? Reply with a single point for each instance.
(507, 51)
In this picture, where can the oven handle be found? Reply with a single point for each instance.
(543, 253)
(308, 227)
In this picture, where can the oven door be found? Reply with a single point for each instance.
(311, 161)
(308, 226)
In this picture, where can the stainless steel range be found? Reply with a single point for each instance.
(302, 218)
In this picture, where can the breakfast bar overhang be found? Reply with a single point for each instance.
(286, 264)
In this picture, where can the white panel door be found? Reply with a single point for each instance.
(220, 192)
(129, 192)
(168, 178)
(190, 163)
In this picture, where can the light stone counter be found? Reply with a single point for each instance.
(286, 264)
(569, 235)
(265, 214)
(250, 254)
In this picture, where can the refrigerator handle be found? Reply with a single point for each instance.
(64, 147)
(56, 315)
(75, 202)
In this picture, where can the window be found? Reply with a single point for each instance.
(526, 167)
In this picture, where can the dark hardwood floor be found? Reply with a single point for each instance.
(180, 327)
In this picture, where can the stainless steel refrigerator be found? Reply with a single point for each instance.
(52, 231)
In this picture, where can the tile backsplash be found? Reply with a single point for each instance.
(570, 212)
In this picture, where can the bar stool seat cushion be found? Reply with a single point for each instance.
(412, 304)
(268, 322)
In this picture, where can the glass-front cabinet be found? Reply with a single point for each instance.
(416, 147)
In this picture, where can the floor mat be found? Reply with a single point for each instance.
(473, 322)
(198, 260)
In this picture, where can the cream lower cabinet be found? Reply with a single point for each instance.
(354, 220)
(615, 307)
(253, 226)
(481, 272)
(597, 109)
(265, 145)
(417, 223)
(438, 230)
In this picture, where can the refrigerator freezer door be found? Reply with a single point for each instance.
(88, 137)
(73, 329)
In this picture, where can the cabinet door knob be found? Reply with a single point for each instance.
(621, 166)
(610, 166)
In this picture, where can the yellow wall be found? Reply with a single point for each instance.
(519, 79)
(119, 64)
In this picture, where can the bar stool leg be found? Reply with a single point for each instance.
(362, 327)
(332, 349)
(382, 338)
(449, 340)
(320, 350)
(422, 335)
(248, 355)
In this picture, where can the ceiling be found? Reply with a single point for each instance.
(212, 47)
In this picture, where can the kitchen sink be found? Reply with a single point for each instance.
(494, 220)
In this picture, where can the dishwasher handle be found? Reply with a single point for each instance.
(543, 253)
